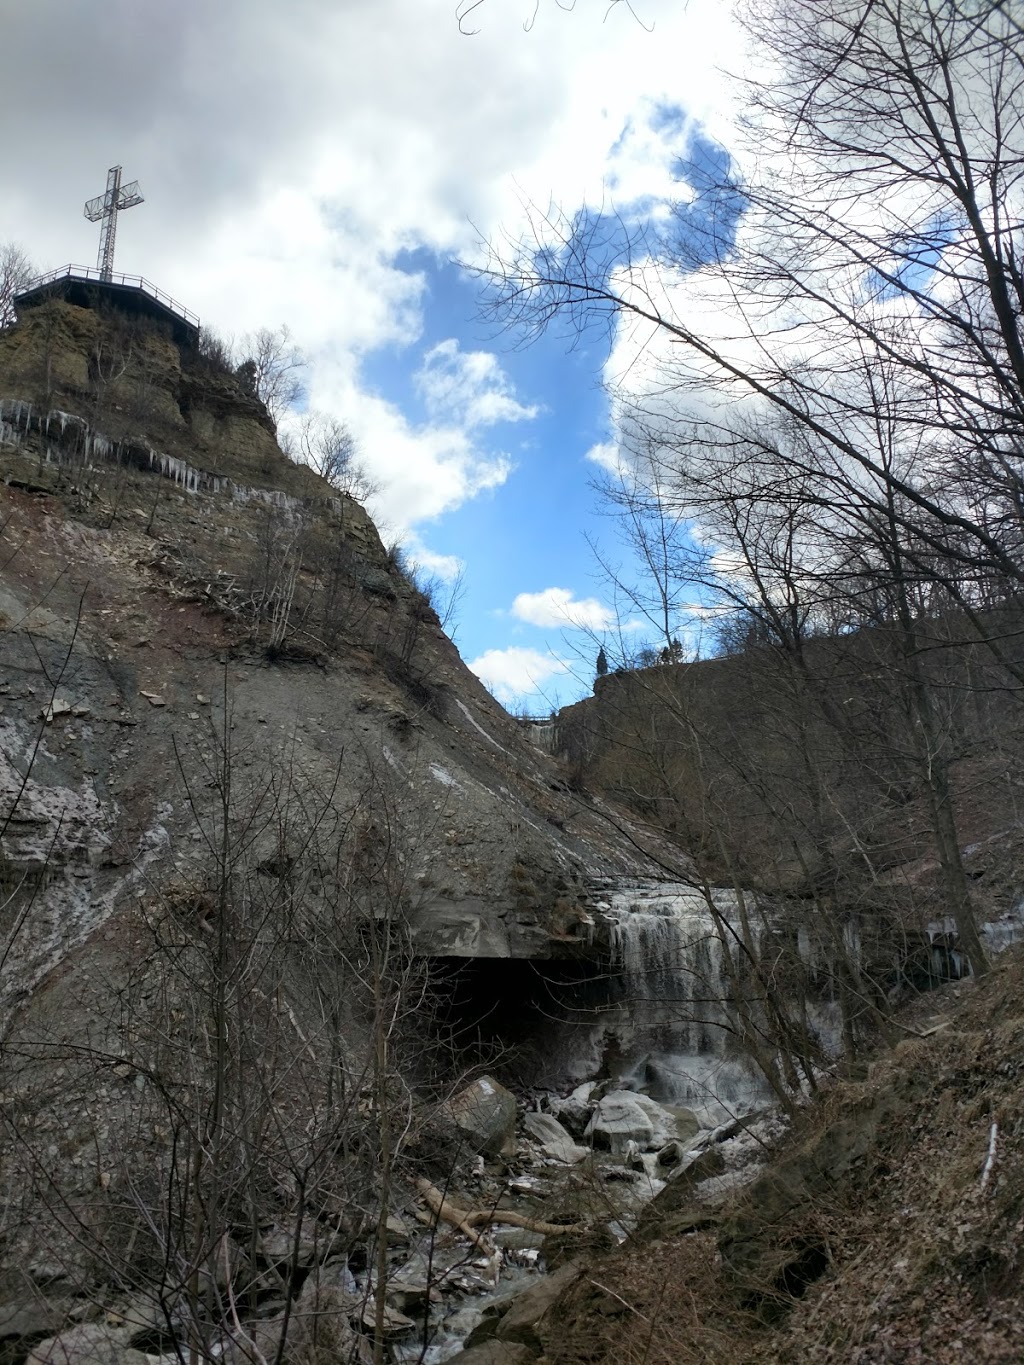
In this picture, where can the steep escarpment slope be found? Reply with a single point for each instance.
(163, 604)
(254, 813)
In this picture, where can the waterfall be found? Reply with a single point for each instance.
(672, 975)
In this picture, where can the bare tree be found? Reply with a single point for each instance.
(328, 446)
(466, 13)
(884, 226)
(272, 366)
(846, 425)
(16, 273)
(270, 1011)
(214, 351)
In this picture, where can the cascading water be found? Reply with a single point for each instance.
(671, 974)
(671, 946)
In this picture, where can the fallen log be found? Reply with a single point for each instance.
(522, 1220)
(447, 1212)
(467, 1220)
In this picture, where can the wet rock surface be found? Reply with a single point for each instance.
(554, 1138)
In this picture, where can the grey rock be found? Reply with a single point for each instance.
(556, 1140)
(315, 1243)
(320, 1328)
(671, 1155)
(395, 1323)
(687, 1124)
(34, 1317)
(725, 1131)
(574, 1114)
(619, 1120)
(334, 1276)
(622, 1117)
(677, 1195)
(487, 1318)
(91, 1344)
(410, 1288)
(485, 1112)
(528, 1319)
(398, 1233)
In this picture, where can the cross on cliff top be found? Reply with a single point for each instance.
(106, 207)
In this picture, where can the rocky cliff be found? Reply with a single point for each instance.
(175, 588)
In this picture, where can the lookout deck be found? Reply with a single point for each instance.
(84, 285)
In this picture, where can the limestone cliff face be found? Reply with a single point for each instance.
(130, 381)
(163, 621)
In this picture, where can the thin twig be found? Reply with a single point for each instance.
(605, 1290)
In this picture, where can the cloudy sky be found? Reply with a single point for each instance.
(324, 164)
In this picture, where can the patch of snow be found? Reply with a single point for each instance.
(717, 1187)
(477, 726)
(391, 760)
(58, 893)
(443, 776)
(1006, 930)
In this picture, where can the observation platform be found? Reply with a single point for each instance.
(85, 286)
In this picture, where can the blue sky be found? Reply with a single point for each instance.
(528, 533)
(535, 531)
(321, 165)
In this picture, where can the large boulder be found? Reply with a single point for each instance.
(485, 1114)
(622, 1117)
(321, 1329)
(677, 1197)
(617, 1121)
(318, 1330)
(556, 1140)
(574, 1111)
(23, 1322)
(534, 1311)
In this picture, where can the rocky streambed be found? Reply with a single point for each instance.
(473, 1265)
(606, 1163)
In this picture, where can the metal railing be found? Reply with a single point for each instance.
(88, 273)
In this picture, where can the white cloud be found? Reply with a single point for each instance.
(290, 154)
(558, 607)
(468, 387)
(445, 567)
(607, 455)
(423, 471)
(517, 672)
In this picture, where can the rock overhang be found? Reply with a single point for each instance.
(473, 929)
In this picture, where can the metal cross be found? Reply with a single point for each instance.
(106, 206)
